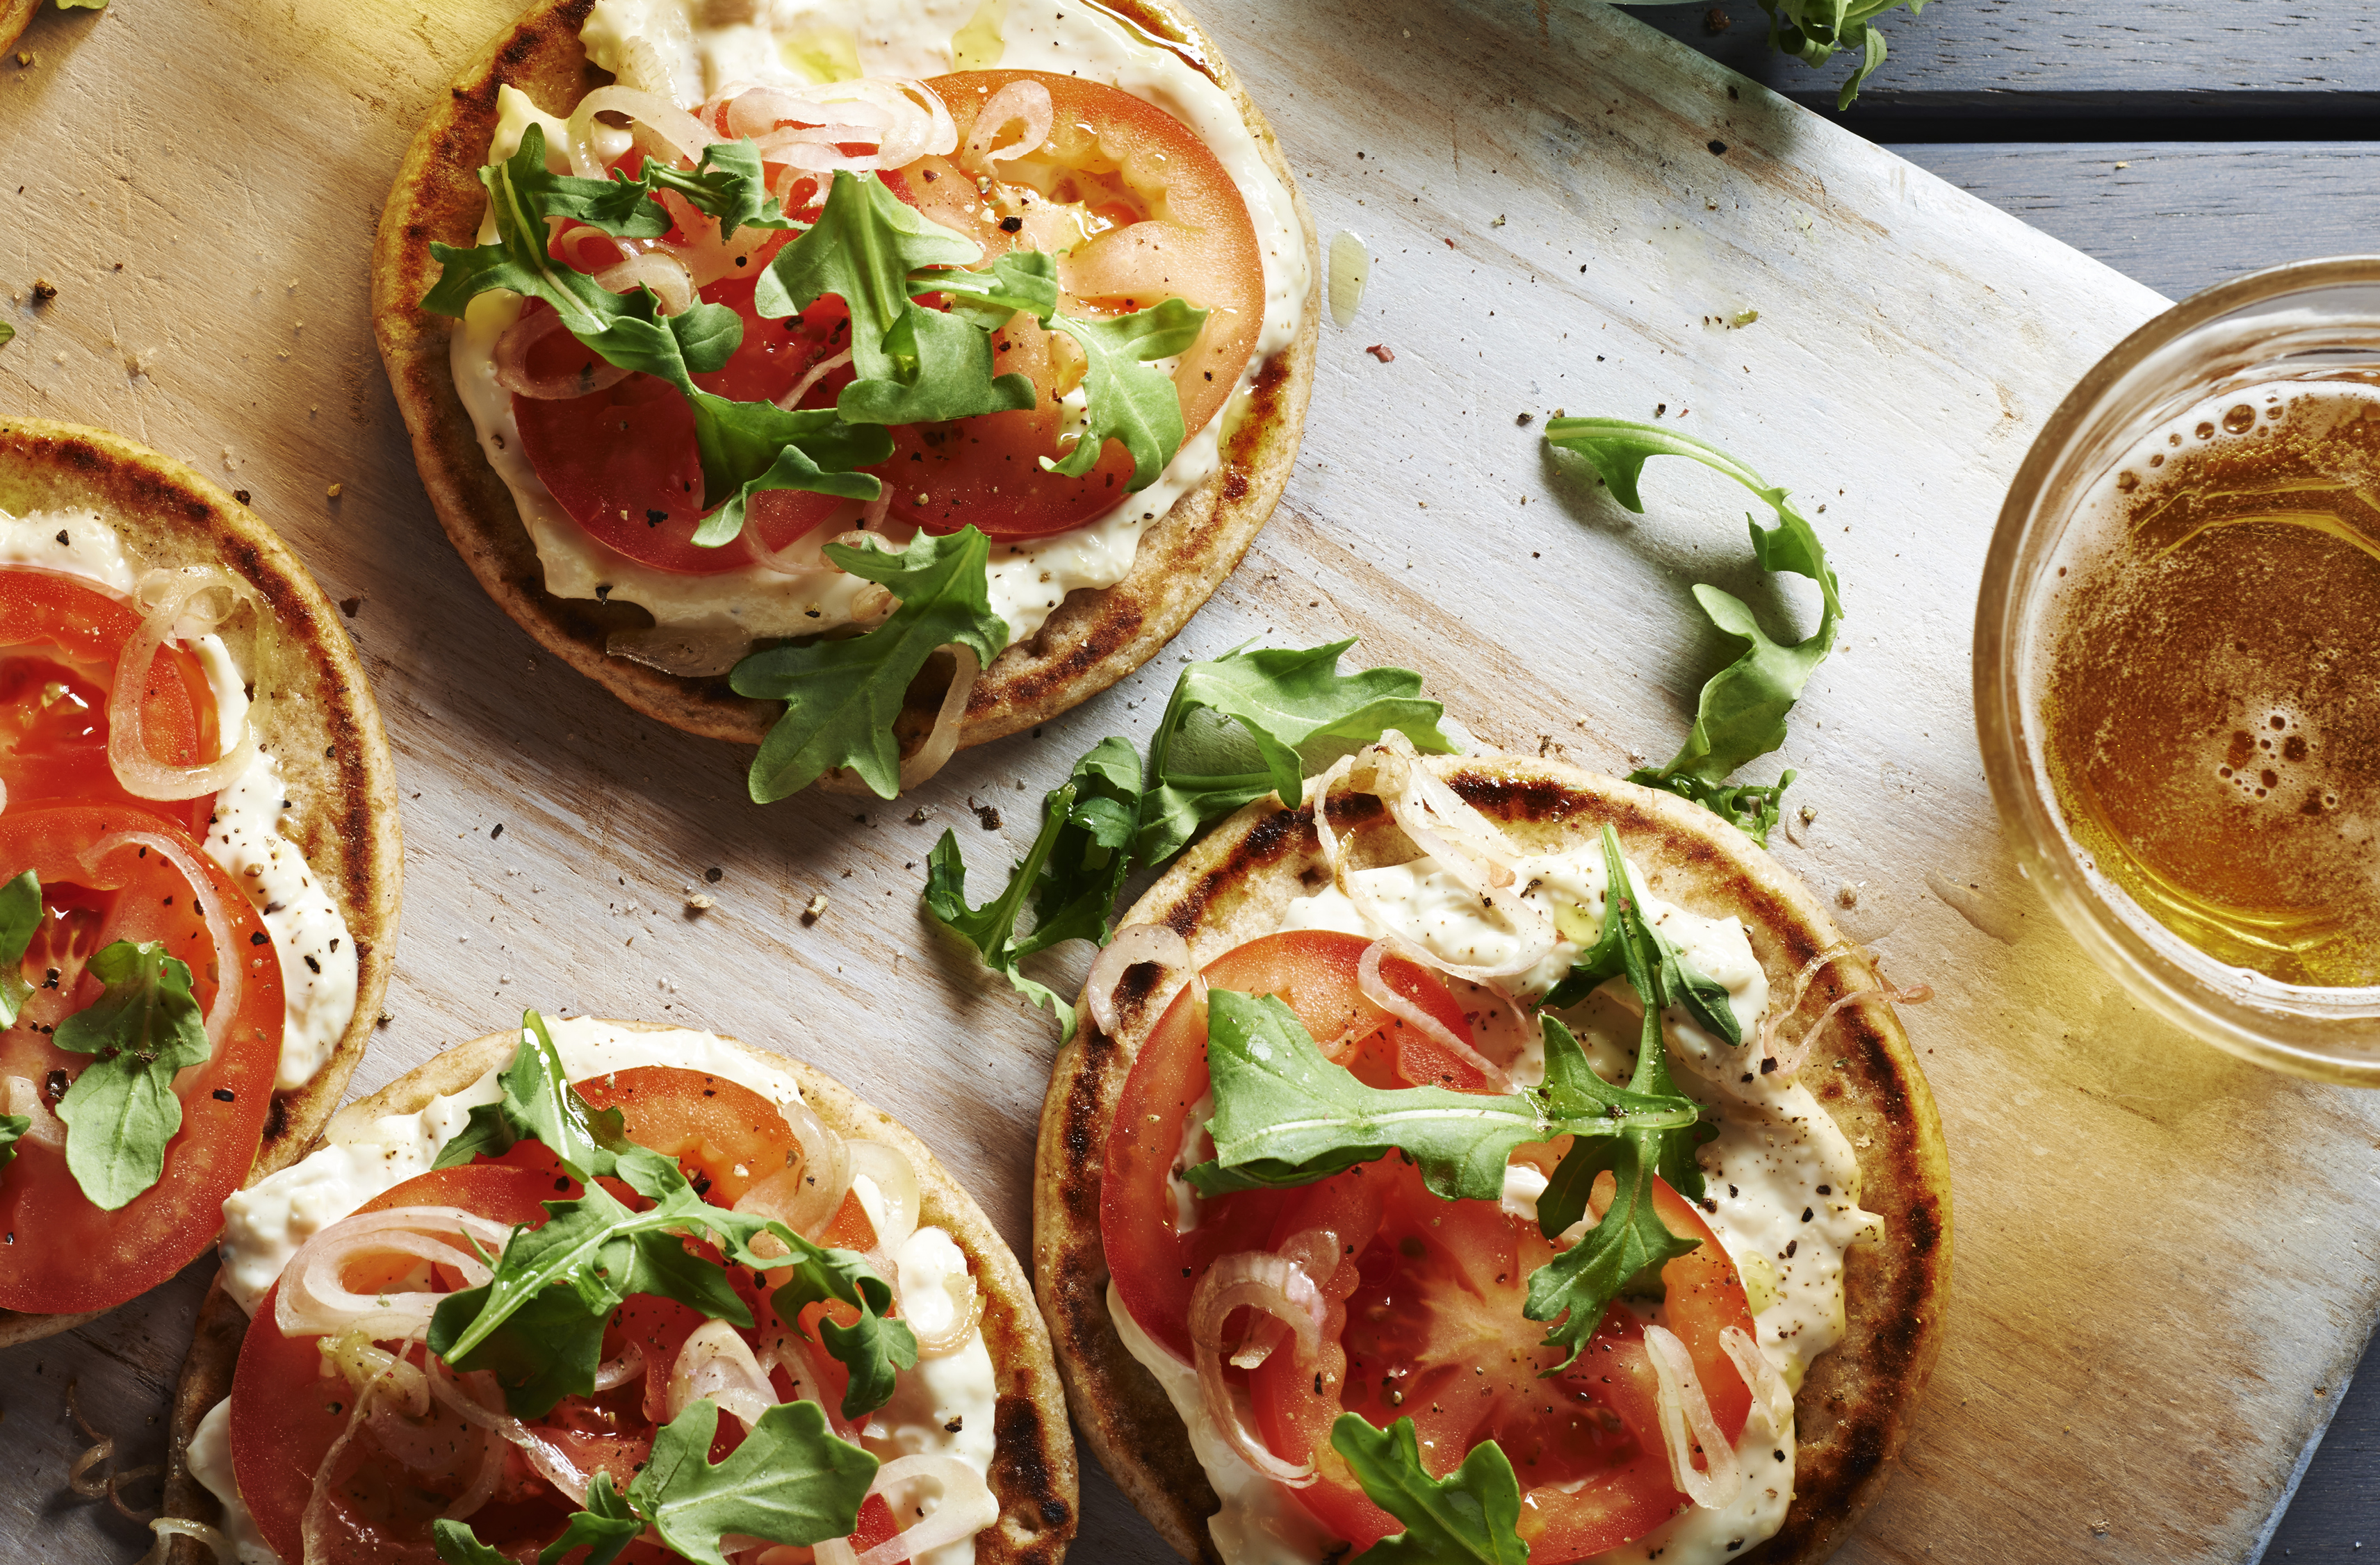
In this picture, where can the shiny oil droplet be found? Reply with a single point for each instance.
(1351, 268)
(2241, 420)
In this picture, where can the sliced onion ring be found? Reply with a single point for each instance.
(1789, 1063)
(1381, 993)
(804, 1193)
(1686, 1422)
(1770, 1395)
(1025, 100)
(1256, 1279)
(168, 1528)
(511, 363)
(487, 1411)
(943, 739)
(166, 600)
(895, 1179)
(1133, 945)
(966, 1507)
(315, 1301)
(718, 1363)
(678, 131)
(230, 976)
(620, 1371)
(315, 1522)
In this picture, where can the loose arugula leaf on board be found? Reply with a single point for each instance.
(7, 334)
(1073, 870)
(540, 1104)
(913, 364)
(12, 1130)
(1124, 398)
(790, 1481)
(20, 916)
(727, 184)
(1470, 1517)
(1283, 698)
(842, 696)
(121, 1111)
(872, 1348)
(1742, 714)
(746, 446)
(1286, 1116)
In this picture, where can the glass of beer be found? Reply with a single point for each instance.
(2177, 666)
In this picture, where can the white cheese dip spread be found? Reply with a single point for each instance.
(705, 46)
(245, 837)
(1777, 1157)
(945, 1406)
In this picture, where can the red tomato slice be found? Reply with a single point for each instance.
(58, 1253)
(1433, 1331)
(1138, 211)
(286, 1416)
(1154, 1265)
(60, 639)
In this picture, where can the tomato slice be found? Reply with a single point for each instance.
(1433, 1331)
(286, 1416)
(1154, 1262)
(1136, 208)
(60, 639)
(59, 1253)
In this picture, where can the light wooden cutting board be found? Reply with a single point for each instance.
(2164, 1259)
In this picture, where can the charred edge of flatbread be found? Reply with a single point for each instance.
(1094, 638)
(322, 722)
(1033, 1470)
(1856, 1405)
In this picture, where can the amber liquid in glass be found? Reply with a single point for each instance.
(2211, 704)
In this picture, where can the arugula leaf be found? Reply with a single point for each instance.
(915, 364)
(540, 1105)
(1742, 713)
(842, 695)
(1019, 280)
(872, 1348)
(746, 446)
(1124, 398)
(20, 916)
(1656, 969)
(1470, 1517)
(726, 184)
(1286, 1116)
(457, 1544)
(12, 1129)
(1750, 807)
(1073, 870)
(1283, 698)
(1811, 31)
(604, 1529)
(790, 1481)
(8, 332)
(121, 1110)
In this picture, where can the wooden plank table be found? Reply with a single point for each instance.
(2135, 1368)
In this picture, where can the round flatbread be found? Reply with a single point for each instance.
(1033, 1463)
(15, 16)
(320, 722)
(1854, 1408)
(1094, 638)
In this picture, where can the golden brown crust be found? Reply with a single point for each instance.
(15, 16)
(1856, 1405)
(1092, 640)
(319, 721)
(1033, 1463)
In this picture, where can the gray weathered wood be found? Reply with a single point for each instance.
(2179, 216)
(2135, 1346)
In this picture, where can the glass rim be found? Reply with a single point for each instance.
(2325, 1034)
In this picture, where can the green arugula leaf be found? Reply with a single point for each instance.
(540, 1105)
(1283, 699)
(746, 446)
(1286, 1116)
(1125, 399)
(81, 4)
(1656, 969)
(20, 917)
(841, 696)
(12, 1130)
(1023, 281)
(873, 1348)
(604, 1529)
(7, 332)
(457, 1544)
(1811, 31)
(1750, 808)
(121, 1110)
(727, 184)
(1742, 713)
(790, 1481)
(1470, 1517)
(913, 364)
(1073, 870)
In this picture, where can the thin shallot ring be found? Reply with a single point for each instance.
(1790, 1064)
(782, 561)
(942, 740)
(510, 362)
(679, 131)
(895, 1179)
(806, 1193)
(302, 1309)
(1774, 1023)
(967, 1506)
(818, 371)
(620, 1371)
(717, 1364)
(1381, 993)
(230, 977)
(1023, 100)
(314, 1520)
(1770, 1395)
(1261, 1280)
(1133, 945)
(543, 1455)
(128, 740)
(1686, 1422)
